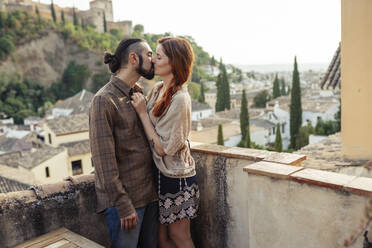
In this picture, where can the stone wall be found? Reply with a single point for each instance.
(249, 198)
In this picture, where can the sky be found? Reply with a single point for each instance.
(245, 32)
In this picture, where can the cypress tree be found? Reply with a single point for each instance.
(38, 14)
(201, 96)
(220, 136)
(75, 17)
(247, 139)
(104, 23)
(282, 90)
(278, 139)
(226, 89)
(53, 12)
(295, 107)
(213, 61)
(303, 138)
(223, 89)
(276, 89)
(244, 115)
(63, 17)
(219, 101)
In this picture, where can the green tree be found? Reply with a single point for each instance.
(302, 138)
(260, 100)
(53, 12)
(73, 80)
(63, 17)
(104, 23)
(220, 140)
(194, 90)
(310, 128)
(295, 106)
(201, 96)
(223, 89)
(6, 47)
(319, 127)
(100, 79)
(276, 89)
(3, 18)
(76, 22)
(282, 88)
(244, 115)
(38, 14)
(139, 29)
(219, 100)
(278, 139)
(247, 138)
(226, 90)
(213, 61)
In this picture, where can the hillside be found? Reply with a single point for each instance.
(41, 50)
(46, 58)
(42, 62)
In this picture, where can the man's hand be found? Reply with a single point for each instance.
(139, 103)
(130, 222)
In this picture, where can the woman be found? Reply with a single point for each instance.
(166, 120)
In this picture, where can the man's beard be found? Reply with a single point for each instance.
(146, 74)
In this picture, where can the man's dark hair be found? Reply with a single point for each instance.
(120, 57)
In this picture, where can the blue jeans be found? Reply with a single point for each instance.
(145, 233)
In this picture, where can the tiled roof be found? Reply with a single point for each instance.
(198, 106)
(69, 124)
(10, 185)
(315, 105)
(30, 159)
(332, 78)
(13, 144)
(262, 123)
(79, 103)
(78, 147)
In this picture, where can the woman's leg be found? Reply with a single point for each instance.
(179, 232)
(163, 237)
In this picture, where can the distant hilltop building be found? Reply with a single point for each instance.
(94, 16)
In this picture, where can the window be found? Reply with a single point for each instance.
(77, 169)
(283, 125)
(50, 138)
(47, 172)
(273, 130)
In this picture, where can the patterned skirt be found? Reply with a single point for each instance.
(178, 198)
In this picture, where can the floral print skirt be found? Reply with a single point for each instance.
(178, 198)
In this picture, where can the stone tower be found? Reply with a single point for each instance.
(104, 6)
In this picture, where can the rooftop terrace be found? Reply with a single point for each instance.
(249, 198)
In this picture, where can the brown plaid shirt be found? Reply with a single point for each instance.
(121, 154)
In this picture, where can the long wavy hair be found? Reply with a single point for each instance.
(181, 57)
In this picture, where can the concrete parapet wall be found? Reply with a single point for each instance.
(296, 207)
(249, 198)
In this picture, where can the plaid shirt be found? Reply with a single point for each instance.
(121, 154)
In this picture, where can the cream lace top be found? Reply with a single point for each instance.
(173, 128)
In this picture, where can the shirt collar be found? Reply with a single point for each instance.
(121, 85)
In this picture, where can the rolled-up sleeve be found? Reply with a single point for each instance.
(102, 143)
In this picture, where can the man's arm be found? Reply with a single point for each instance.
(102, 144)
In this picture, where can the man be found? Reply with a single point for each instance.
(121, 154)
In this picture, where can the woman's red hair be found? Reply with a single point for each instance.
(181, 56)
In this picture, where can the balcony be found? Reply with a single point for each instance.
(249, 198)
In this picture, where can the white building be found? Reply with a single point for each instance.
(200, 111)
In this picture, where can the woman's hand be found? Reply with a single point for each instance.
(139, 103)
